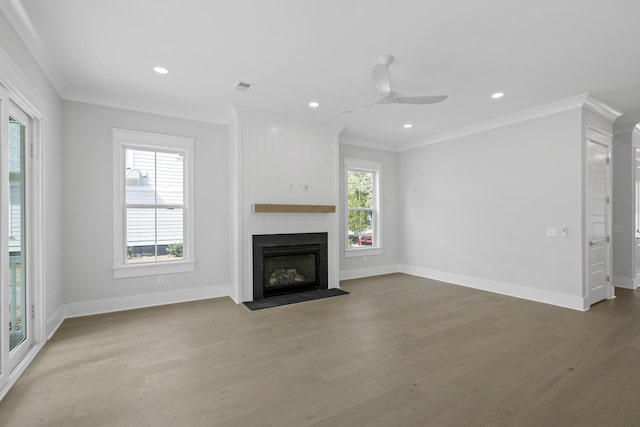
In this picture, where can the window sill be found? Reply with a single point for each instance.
(153, 269)
(350, 253)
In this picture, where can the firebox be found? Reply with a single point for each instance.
(288, 263)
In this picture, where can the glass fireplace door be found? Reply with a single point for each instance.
(286, 270)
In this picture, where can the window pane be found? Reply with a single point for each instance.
(141, 177)
(169, 179)
(154, 178)
(17, 268)
(360, 189)
(141, 234)
(154, 234)
(360, 228)
(170, 234)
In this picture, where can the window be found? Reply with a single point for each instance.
(363, 219)
(153, 200)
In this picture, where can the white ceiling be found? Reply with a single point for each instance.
(295, 51)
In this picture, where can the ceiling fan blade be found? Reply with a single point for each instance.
(419, 99)
(382, 79)
(362, 107)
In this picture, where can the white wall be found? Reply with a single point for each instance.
(20, 72)
(487, 199)
(623, 202)
(623, 210)
(28, 86)
(371, 265)
(87, 179)
(278, 155)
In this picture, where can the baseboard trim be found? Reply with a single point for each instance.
(235, 299)
(368, 272)
(538, 295)
(54, 322)
(624, 282)
(109, 305)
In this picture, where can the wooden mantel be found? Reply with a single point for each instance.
(266, 207)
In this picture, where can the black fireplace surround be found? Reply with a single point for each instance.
(289, 263)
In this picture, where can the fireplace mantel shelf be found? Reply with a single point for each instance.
(272, 208)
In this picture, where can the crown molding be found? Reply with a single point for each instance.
(580, 101)
(598, 107)
(521, 116)
(210, 117)
(23, 27)
(19, 86)
(17, 15)
(359, 142)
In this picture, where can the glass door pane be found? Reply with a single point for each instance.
(18, 312)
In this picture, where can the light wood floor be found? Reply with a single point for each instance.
(398, 351)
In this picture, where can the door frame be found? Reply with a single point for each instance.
(9, 374)
(604, 138)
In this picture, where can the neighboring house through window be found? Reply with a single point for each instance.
(153, 204)
(363, 218)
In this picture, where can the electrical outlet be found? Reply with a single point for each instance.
(489, 269)
(305, 187)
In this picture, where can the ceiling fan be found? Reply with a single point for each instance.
(382, 82)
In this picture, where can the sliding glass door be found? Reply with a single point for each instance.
(22, 326)
(19, 314)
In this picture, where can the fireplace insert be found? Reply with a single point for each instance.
(288, 263)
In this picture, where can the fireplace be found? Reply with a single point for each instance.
(289, 263)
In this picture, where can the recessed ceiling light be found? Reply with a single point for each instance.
(314, 104)
(408, 125)
(161, 70)
(497, 95)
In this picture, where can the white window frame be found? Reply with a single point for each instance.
(376, 169)
(128, 139)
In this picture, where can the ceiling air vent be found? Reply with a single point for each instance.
(243, 86)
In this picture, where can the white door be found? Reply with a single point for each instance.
(598, 209)
(636, 166)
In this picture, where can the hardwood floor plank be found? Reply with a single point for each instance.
(372, 408)
(399, 351)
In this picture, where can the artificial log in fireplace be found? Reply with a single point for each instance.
(289, 263)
